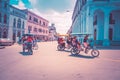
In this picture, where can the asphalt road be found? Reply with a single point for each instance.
(49, 64)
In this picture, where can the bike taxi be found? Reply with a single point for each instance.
(28, 42)
(91, 47)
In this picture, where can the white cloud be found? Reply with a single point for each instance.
(20, 5)
(62, 21)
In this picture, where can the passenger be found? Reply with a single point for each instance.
(85, 42)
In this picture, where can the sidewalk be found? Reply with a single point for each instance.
(109, 47)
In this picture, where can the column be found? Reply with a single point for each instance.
(106, 29)
(81, 23)
(91, 27)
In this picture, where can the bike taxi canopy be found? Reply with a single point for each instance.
(28, 35)
(79, 34)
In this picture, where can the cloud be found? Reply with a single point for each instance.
(20, 5)
(62, 21)
(55, 11)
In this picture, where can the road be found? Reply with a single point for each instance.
(49, 64)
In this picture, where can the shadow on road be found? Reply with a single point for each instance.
(25, 53)
(82, 56)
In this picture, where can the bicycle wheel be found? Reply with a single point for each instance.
(95, 53)
(75, 51)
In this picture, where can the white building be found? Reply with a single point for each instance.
(52, 32)
(101, 18)
(17, 23)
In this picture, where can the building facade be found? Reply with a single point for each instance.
(100, 18)
(37, 25)
(52, 32)
(4, 18)
(17, 23)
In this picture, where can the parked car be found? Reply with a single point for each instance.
(6, 42)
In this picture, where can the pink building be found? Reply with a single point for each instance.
(37, 25)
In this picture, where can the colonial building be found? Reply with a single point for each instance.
(17, 23)
(4, 18)
(100, 18)
(52, 32)
(37, 25)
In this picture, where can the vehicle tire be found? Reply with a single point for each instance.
(95, 53)
(74, 51)
(60, 48)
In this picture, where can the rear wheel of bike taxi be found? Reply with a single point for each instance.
(60, 48)
(95, 53)
(75, 51)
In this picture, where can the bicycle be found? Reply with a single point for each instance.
(94, 51)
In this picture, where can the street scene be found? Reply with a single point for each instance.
(47, 63)
(59, 40)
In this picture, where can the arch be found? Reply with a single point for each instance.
(114, 25)
(19, 23)
(23, 25)
(0, 17)
(5, 19)
(14, 22)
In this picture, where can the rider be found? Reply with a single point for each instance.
(23, 39)
(61, 41)
(30, 42)
(69, 42)
(75, 42)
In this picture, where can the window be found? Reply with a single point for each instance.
(40, 22)
(30, 18)
(23, 25)
(5, 5)
(43, 23)
(29, 28)
(35, 20)
(40, 30)
(19, 23)
(0, 17)
(111, 20)
(18, 34)
(14, 23)
(35, 29)
(5, 19)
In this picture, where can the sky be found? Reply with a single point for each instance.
(58, 12)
